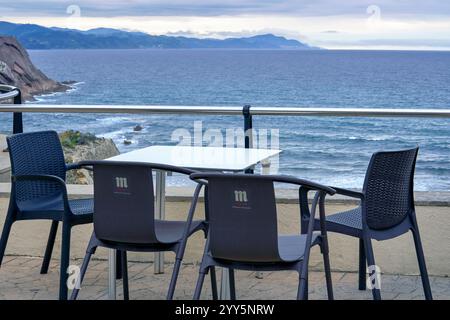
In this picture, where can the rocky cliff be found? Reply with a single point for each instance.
(84, 146)
(16, 69)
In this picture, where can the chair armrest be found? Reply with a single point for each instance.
(200, 181)
(189, 219)
(154, 166)
(304, 183)
(37, 177)
(46, 177)
(76, 166)
(349, 193)
(274, 178)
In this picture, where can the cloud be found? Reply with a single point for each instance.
(326, 23)
(108, 8)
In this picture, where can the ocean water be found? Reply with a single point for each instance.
(333, 151)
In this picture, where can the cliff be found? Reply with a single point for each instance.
(16, 69)
(84, 146)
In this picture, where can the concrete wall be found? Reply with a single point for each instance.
(395, 256)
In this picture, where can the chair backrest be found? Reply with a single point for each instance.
(124, 203)
(36, 153)
(388, 188)
(242, 218)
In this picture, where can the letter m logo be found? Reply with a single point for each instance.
(121, 183)
(240, 196)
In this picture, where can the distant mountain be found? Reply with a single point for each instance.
(37, 37)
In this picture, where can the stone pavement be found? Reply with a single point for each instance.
(20, 279)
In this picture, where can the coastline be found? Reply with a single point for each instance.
(70, 87)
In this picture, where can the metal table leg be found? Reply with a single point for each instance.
(224, 293)
(160, 214)
(112, 274)
(265, 170)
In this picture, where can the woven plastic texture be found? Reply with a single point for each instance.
(81, 206)
(350, 218)
(389, 188)
(36, 153)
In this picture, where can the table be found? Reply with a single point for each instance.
(196, 158)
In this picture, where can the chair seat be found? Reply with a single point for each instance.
(172, 231)
(351, 218)
(50, 207)
(292, 248)
(81, 206)
(346, 222)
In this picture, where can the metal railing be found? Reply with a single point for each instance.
(9, 92)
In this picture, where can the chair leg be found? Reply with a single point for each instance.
(118, 264)
(212, 271)
(83, 270)
(124, 262)
(327, 268)
(306, 291)
(198, 287)
(362, 266)
(232, 284)
(422, 265)
(173, 281)
(49, 248)
(65, 260)
(5, 234)
(302, 293)
(371, 262)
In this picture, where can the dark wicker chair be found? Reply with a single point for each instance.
(38, 191)
(386, 211)
(243, 229)
(124, 217)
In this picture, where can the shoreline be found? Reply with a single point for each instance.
(66, 88)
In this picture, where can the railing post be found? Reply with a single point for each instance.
(248, 130)
(17, 116)
(248, 126)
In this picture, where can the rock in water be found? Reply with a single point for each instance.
(137, 128)
(16, 69)
(84, 146)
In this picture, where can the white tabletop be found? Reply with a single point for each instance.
(210, 158)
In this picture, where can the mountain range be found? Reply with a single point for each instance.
(33, 36)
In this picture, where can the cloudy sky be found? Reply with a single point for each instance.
(340, 24)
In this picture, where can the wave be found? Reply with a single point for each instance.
(46, 97)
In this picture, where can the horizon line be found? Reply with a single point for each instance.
(314, 47)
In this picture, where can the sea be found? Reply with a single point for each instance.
(330, 150)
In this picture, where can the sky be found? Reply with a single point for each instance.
(332, 24)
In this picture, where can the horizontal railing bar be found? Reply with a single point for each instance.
(8, 92)
(6, 87)
(351, 112)
(227, 110)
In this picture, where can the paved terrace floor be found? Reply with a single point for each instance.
(20, 279)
